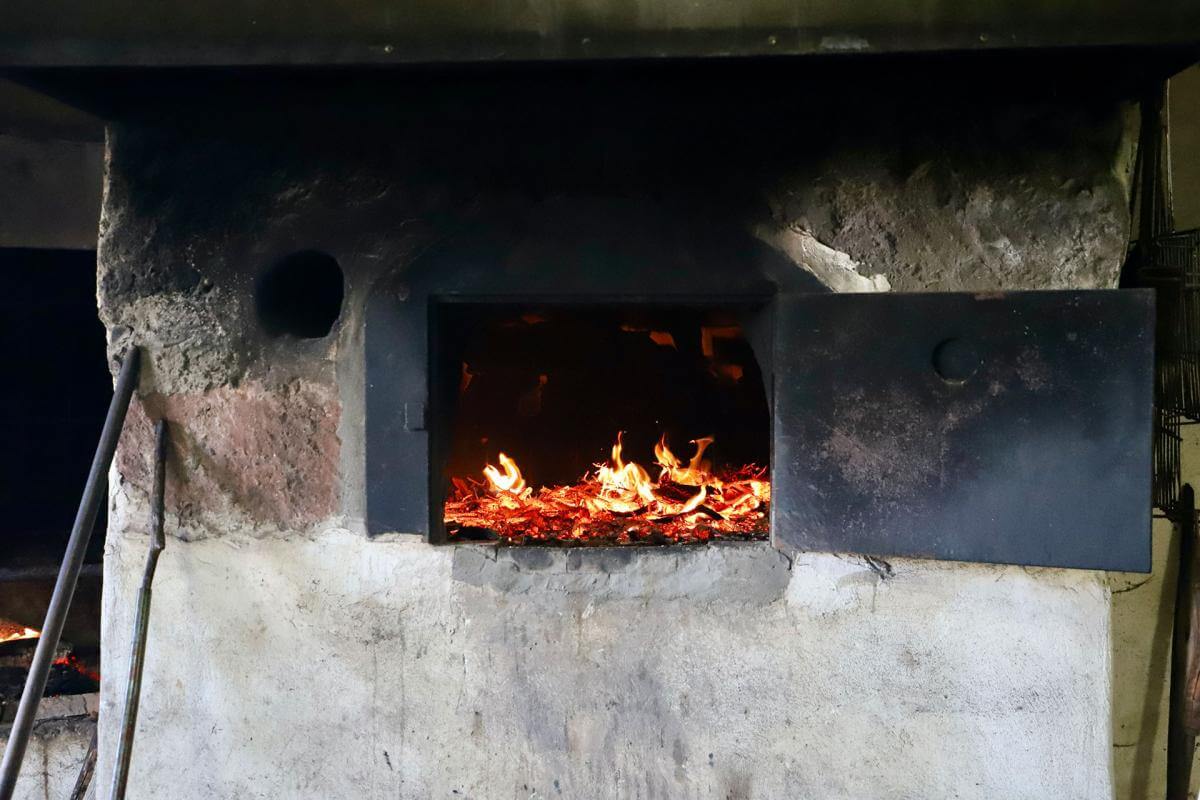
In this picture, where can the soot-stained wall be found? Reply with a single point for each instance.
(994, 184)
(293, 656)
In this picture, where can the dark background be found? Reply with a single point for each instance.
(553, 393)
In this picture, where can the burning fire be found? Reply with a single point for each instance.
(618, 503)
(72, 662)
(19, 634)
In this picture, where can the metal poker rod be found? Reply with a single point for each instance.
(68, 575)
(137, 658)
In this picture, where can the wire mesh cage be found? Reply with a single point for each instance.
(1166, 458)
(1171, 264)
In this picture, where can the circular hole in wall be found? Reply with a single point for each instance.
(300, 295)
(956, 360)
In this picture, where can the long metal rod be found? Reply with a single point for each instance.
(1184, 714)
(137, 659)
(86, 771)
(68, 576)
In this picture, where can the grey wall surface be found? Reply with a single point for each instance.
(324, 665)
(57, 748)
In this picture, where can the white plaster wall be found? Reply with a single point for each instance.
(1142, 619)
(1143, 608)
(330, 666)
(57, 747)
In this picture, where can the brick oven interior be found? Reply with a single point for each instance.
(595, 411)
(519, 379)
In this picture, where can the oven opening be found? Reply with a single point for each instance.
(574, 425)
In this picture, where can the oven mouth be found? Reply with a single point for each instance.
(598, 424)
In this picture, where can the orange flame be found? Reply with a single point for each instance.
(696, 473)
(70, 661)
(24, 633)
(510, 480)
(624, 487)
(618, 502)
(507, 484)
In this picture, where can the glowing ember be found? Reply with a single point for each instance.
(618, 503)
(17, 635)
(72, 663)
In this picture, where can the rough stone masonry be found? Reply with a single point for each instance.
(291, 655)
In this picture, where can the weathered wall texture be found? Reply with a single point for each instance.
(332, 666)
(57, 749)
(1019, 218)
(292, 657)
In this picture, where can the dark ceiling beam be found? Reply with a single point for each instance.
(38, 33)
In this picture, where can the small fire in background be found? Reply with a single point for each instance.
(618, 503)
(15, 633)
(70, 666)
(73, 671)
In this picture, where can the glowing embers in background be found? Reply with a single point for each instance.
(15, 633)
(616, 503)
(71, 671)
